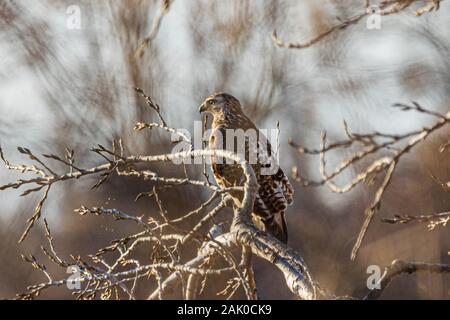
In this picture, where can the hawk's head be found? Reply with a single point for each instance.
(220, 103)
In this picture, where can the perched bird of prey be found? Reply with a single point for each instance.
(275, 192)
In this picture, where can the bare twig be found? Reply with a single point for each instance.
(164, 9)
(386, 8)
(399, 267)
(397, 146)
(432, 220)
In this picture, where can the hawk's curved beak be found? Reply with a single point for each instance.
(203, 107)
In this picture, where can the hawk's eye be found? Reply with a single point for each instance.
(212, 102)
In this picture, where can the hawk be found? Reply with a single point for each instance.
(275, 192)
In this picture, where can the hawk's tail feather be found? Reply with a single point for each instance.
(274, 224)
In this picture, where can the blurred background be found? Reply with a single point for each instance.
(73, 87)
